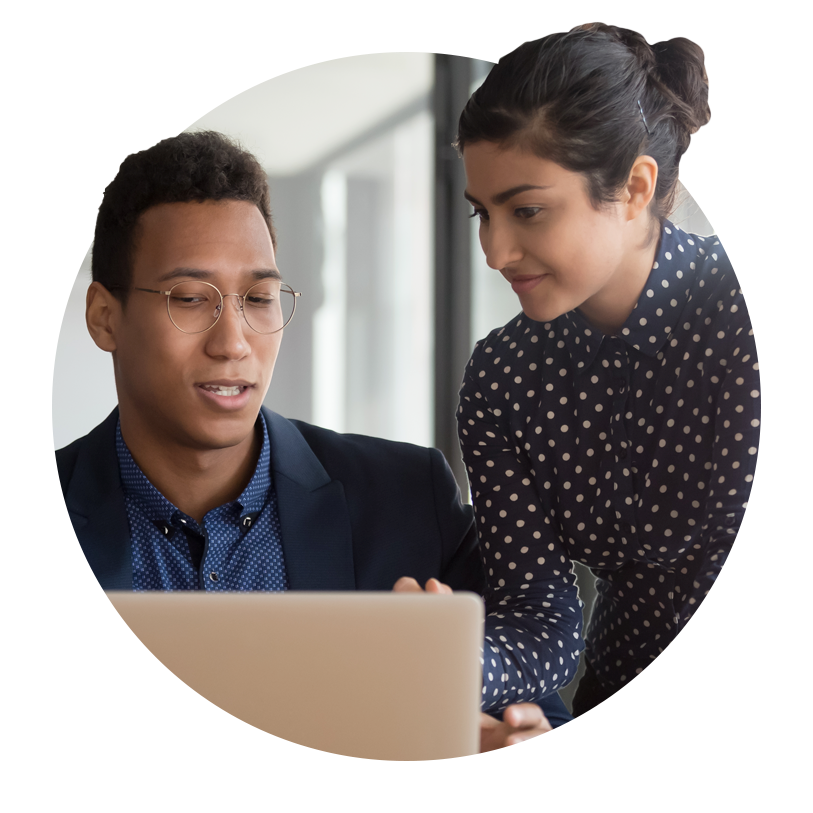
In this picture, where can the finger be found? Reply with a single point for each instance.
(515, 739)
(487, 722)
(436, 586)
(524, 715)
(522, 736)
(406, 584)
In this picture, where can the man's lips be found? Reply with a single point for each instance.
(225, 383)
(230, 393)
(524, 282)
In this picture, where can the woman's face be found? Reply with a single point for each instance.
(539, 229)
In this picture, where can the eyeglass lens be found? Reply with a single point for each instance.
(194, 306)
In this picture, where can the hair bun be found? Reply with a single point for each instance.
(681, 70)
(676, 67)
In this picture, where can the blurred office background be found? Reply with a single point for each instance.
(367, 197)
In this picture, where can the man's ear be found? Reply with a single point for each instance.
(102, 315)
(640, 187)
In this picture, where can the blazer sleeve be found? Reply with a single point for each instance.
(533, 611)
(462, 567)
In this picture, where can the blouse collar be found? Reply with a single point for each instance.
(656, 314)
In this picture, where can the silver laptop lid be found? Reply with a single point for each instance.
(375, 675)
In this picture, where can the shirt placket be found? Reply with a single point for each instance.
(212, 566)
(621, 449)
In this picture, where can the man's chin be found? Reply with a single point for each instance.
(222, 431)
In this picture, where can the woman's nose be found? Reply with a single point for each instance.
(500, 244)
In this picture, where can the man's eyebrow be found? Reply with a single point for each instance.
(504, 197)
(199, 273)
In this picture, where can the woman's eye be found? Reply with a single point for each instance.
(481, 213)
(527, 212)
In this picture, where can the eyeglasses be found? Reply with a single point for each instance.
(195, 307)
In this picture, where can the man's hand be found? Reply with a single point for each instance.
(407, 584)
(521, 722)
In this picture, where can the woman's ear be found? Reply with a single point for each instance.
(102, 315)
(640, 187)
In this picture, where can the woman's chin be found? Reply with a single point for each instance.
(542, 313)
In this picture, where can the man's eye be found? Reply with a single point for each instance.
(258, 301)
(187, 301)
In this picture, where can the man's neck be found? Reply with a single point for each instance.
(194, 480)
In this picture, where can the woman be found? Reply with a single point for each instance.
(615, 421)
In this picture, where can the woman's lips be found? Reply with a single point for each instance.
(522, 285)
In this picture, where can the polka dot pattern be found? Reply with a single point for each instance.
(632, 454)
(240, 541)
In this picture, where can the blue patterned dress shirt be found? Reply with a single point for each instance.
(238, 546)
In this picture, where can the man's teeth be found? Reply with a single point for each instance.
(222, 390)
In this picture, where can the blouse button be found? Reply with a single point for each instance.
(214, 577)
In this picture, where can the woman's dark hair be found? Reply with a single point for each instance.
(191, 167)
(573, 98)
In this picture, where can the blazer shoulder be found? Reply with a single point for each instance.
(66, 458)
(378, 470)
(94, 450)
(337, 449)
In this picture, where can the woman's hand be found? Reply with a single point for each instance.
(520, 722)
(406, 584)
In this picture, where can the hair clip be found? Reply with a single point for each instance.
(643, 117)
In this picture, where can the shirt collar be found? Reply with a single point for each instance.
(656, 314)
(160, 509)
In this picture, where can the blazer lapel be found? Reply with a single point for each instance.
(95, 502)
(317, 539)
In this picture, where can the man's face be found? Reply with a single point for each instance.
(165, 378)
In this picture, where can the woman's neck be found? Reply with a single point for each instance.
(610, 308)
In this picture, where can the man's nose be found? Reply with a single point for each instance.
(228, 338)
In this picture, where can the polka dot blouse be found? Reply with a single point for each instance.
(237, 547)
(632, 454)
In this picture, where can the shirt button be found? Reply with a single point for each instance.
(246, 522)
(214, 577)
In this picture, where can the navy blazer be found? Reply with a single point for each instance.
(357, 513)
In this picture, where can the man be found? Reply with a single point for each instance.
(190, 483)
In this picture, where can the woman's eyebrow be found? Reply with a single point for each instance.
(504, 197)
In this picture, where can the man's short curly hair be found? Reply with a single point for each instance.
(191, 167)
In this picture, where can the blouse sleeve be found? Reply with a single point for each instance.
(737, 421)
(533, 611)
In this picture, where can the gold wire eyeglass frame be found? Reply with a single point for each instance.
(241, 298)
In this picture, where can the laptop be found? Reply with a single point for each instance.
(373, 675)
